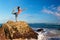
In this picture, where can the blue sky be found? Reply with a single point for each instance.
(37, 11)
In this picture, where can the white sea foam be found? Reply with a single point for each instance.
(49, 34)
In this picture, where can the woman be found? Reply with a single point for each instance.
(17, 13)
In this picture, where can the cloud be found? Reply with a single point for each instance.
(57, 14)
(53, 10)
(47, 11)
(58, 8)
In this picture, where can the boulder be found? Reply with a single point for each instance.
(20, 29)
(40, 29)
(2, 34)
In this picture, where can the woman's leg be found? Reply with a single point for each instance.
(16, 16)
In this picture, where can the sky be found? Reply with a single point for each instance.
(35, 11)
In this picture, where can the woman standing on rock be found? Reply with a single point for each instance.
(17, 13)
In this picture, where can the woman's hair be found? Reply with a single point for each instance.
(18, 7)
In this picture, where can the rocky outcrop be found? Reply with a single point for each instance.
(2, 36)
(20, 29)
(40, 29)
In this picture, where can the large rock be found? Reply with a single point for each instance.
(20, 29)
(2, 36)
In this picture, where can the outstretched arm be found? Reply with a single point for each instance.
(14, 10)
(19, 10)
(24, 9)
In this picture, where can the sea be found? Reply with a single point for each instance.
(51, 31)
(45, 25)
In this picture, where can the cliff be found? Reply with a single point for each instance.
(20, 29)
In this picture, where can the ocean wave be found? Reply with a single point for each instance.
(48, 34)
